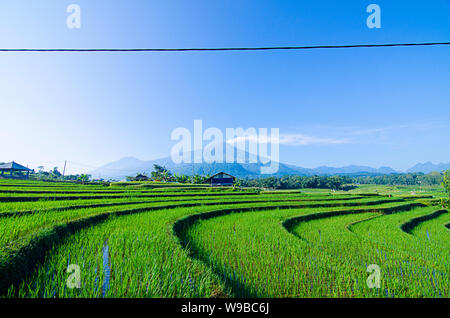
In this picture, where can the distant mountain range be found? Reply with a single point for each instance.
(130, 166)
(428, 167)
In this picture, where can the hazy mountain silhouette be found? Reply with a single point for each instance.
(428, 167)
(130, 166)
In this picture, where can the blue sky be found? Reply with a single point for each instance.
(384, 106)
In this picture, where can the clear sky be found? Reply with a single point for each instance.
(383, 106)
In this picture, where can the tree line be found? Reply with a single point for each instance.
(55, 175)
(415, 179)
(300, 182)
(345, 182)
(162, 174)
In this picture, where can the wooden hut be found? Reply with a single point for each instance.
(12, 167)
(141, 177)
(221, 179)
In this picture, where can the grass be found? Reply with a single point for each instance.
(151, 239)
(257, 257)
(145, 261)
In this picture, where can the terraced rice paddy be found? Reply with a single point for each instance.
(173, 240)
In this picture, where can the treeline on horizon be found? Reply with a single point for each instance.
(337, 182)
(343, 182)
(313, 182)
(50, 175)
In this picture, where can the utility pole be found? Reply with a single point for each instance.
(64, 170)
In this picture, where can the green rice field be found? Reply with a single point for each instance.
(149, 239)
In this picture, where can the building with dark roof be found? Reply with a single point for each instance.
(12, 167)
(221, 179)
(141, 177)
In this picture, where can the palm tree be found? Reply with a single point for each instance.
(83, 178)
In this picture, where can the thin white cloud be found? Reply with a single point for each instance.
(341, 135)
(290, 140)
(305, 140)
(383, 135)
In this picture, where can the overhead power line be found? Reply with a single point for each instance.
(228, 48)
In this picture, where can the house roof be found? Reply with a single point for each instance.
(218, 174)
(14, 166)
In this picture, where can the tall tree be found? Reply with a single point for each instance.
(161, 173)
(83, 178)
(56, 173)
(446, 182)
